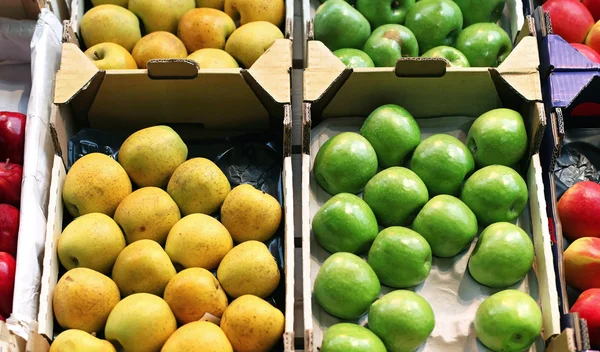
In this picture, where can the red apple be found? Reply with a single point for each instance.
(10, 183)
(12, 136)
(588, 52)
(588, 307)
(579, 210)
(582, 263)
(594, 7)
(9, 229)
(7, 283)
(570, 19)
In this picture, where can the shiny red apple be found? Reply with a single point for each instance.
(594, 7)
(9, 229)
(570, 19)
(10, 183)
(588, 52)
(7, 283)
(12, 136)
(588, 307)
(579, 210)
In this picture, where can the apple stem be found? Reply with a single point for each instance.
(96, 55)
(6, 164)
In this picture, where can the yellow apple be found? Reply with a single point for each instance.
(205, 28)
(111, 56)
(110, 23)
(161, 15)
(213, 4)
(122, 3)
(251, 40)
(213, 58)
(158, 45)
(256, 10)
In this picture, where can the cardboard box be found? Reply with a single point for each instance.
(30, 9)
(571, 99)
(517, 22)
(198, 104)
(556, 55)
(332, 91)
(78, 8)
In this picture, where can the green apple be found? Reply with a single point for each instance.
(455, 57)
(495, 193)
(346, 337)
(503, 255)
(393, 133)
(351, 2)
(380, 12)
(402, 319)
(434, 23)
(477, 11)
(484, 44)
(339, 25)
(509, 320)
(447, 224)
(395, 195)
(400, 257)
(345, 163)
(389, 43)
(498, 137)
(354, 58)
(345, 223)
(346, 286)
(442, 162)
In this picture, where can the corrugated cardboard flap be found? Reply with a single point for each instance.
(175, 91)
(272, 70)
(322, 70)
(520, 70)
(75, 74)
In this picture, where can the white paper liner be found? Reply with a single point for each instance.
(28, 64)
(453, 294)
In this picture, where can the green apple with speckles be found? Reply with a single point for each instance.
(484, 44)
(402, 319)
(400, 257)
(354, 58)
(380, 12)
(503, 255)
(495, 193)
(509, 320)
(339, 25)
(389, 43)
(346, 286)
(448, 225)
(395, 195)
(455, 57)
(442, 162)
(477, 11)
(345, 163)
(346, 337)
(393, 133)
(345, 223)
(435, 23)
(498, 137)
